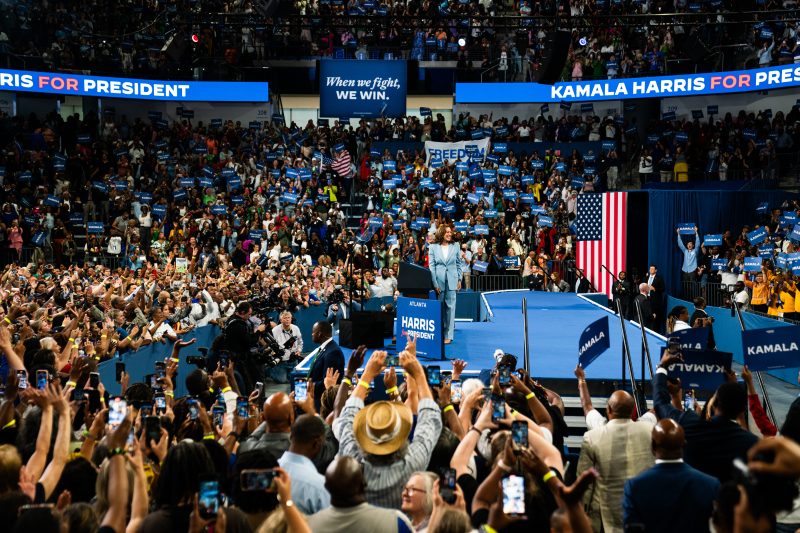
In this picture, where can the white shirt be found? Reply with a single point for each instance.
(595, 420)
(282, 336)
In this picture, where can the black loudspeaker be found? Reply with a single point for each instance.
(554, 65)
(366, 327)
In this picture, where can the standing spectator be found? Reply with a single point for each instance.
(690, 252)
(657, 287)
(290, 338)
(308, 485)
(646, 305)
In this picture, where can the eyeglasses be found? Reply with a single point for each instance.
(411, 490)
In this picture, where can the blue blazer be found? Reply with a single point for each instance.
(670, 497)
(331, 357)
(446, 268)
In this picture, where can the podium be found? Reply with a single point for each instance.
(419, 312)
(414, 281)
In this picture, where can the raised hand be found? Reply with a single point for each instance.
(573, 494)
(579, 372)
(331, 378)
(458, 367)
(356, 360)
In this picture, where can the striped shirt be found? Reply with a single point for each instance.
(385, 482)
(341, 165)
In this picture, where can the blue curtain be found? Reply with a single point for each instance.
(713, 211)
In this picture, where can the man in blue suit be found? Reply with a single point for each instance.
(328, 356)
(670, 496)
(444, 260)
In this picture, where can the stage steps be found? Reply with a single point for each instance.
(576, 422)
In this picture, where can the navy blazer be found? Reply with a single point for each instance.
(331, 357)
(711, 446)
(670, 497)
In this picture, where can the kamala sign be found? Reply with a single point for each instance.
(350, 88)
(739, 81)
(182, 91)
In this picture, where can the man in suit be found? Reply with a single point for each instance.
(657, 288)
(711, 446)
(618, 451)
(444, 259)
(329, 355)
(581, 283)
(701, 319)
(622, 290)
(648, 315)
(671, 496)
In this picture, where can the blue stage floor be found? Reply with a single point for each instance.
(555, 323)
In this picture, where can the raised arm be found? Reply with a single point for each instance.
(117, 513)
(61, 447)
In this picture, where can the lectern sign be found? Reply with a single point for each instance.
(422, 319)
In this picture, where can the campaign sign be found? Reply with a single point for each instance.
(762, 208)
(462, 227)
(481, 229)
(219, 210)
(490, 213)
(500, 148)
(505, 170)
(713, 240)
(375, 222)
(757, 236)
(421, 319)
(480, 266)
(538, 209)
(795, 235)
(719, 264)
(362, 88)
(527, 198)
(692, 338)
(288, 198)
(752, 264)
(593, 342)
(766, 251)
(687, 228)
(94, 227)
(159, 210)
(389, 184)
(179, 195)
(473, 198)
(254, 235)
(52, 201)
(771, 348)
(511, 261)
(544, 221)
(701, 369)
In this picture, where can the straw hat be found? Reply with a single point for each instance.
(382, 427)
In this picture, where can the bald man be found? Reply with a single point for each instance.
(349, 511)
(273, 433)
(618, 450)
(671, 496)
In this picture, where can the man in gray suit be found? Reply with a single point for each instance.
(618, 451)
(444, 260)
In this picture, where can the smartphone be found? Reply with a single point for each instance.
(94, 399)
(455, 391)
(519, 433)
(131, 443)
(218, 415)
(223, 361)
(504, 375)
(392, 360)
(194, 410)
(161, 367)
(257, 480)
(487, 393)
(117, 409)
(498, 408)
(145, 409)
(447, 485)
(688, 402)
(300, 389)
(208, 498)
(42, 378)
(152, 428)
(119, 368)
(161, 403)
(22, 378)
(514, 495)
(94, 380)
(259, 387)
(78, 395)
(434, 374)
(242, 407)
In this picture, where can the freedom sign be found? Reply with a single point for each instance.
(593, 342)
(701, 369)
(362, 88)
(469, 151)
(771, 348)
(423, 320)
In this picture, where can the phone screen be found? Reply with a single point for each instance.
(455, 390)
(519, 433)
(504, 377)
(153, 427)
(116, 412)
(94, 380)
(120, 368)
(242, 408)
(300, 390)
(22, 378)
(514, 495)
(487, 393)
(208, 499)
(218, 414)
(257, 479)
(41, 379)
(434, 375)
(688, 402)
(194, 410)
(161, 404)
(146, 409)
(498, 408)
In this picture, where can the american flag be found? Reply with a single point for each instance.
(326, 160)
(341, 165)
(601, 231)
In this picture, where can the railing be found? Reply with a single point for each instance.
(715, 294)
(494, 282)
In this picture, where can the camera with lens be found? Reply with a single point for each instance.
(336, 297)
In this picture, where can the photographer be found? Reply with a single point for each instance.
(290, 339)
(701, 319)
(622, 290)
(241, 339)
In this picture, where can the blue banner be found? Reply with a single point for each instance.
(481, 229)
(480, 266)
(219, 210)
(490, 213)
(362, 88)
(160, 210)
(719, 264)
(757, 236)
(701, 369)
(52, 201)
(686, 228)
(752, 264)
(101, 86)
(692, 338)
(423, 320)
(511, 261)
(795, 235)
(94, 227)
(712, 83)
(544, 221)
(593, 342)
(713, 240)
(771, 348)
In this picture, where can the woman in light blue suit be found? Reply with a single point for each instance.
(444, 260)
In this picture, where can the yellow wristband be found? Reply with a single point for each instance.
(529, 396)
(71, 384)
(71, 339)
(548, 476)
(175, 360)
(449, 408)
(209, 436)
(11, 424)
(102, 400)
(226, 389)
(486, 528)
(103, 336)
(169, 393)
(363, 384)
(6, 319)
(347, 380)
(392, 390)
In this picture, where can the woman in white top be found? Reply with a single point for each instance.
(678, 319)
